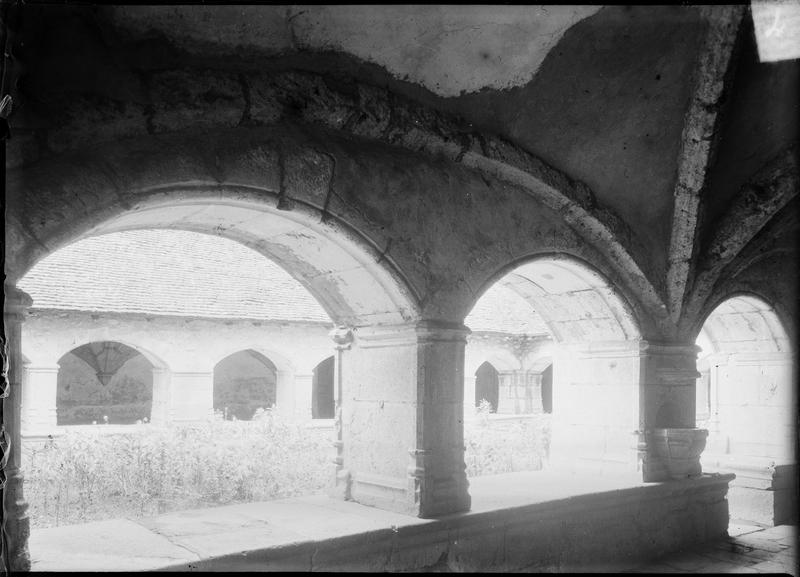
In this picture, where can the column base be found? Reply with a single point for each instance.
(673, 453)
(16, 524)
(448, 496)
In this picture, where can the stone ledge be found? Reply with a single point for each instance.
(623, 520)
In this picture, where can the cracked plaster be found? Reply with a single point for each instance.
(448, 50)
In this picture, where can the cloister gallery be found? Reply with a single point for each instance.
(373, 219)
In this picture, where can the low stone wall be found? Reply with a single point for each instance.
(594, 530)
(762, 493)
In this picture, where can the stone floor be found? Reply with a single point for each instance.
(747, 549)
(177, 538)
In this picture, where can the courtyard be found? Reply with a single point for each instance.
(428, 288)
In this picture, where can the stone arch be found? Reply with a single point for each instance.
(738, 240)
(501, 359)
(244, 381)
(39, 411)
(362, 112)
(327, 260)
(579, 286)
(304, 196)
(281, 361)
(596, 359)
(748, 374)
(750, 320)
(154, 359)
(269, 192)
(125, 376)
(746, 396)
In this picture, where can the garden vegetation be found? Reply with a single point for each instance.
(88, 474)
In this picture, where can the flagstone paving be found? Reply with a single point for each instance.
(747, 549)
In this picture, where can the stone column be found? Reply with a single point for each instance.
(668, 398)
(39, 392)
(438, 475)
(469, 396)
(16, 525)
(285, 395)
(535, 392)
(340, 485)
(303, 383)
(192, 396)
(596, 390)
(506, 393)
(519, 394)
(161, 411)
(402, 393)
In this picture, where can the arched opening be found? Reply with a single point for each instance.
(547, 389)
(573, 343)
(104, 382)
(487, 386)
(244, 382)
(322, 397)
(219, 302)
(746, 399)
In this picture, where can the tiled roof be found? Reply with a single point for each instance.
(502, 310)
(172, 272)
(169, 272)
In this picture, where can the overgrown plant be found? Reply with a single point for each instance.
(496, 446)
(88, 475)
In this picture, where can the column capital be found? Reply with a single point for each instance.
(17, 301)
(671, 364)
(425, 331)
(429, 330)
(41, 368)
(342, 337)
(665, 348)
(597, 349)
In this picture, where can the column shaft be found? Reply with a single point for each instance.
(192, 396)
(161, 410)
(668, 409)
(16, 525)
(520, 393)
(439, 473)
(402, 396)
(302, 386)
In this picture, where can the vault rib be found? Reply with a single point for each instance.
(698, 146)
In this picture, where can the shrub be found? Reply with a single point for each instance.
(494, 446)
(124, 414)
(86, 475)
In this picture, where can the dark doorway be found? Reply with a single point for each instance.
(322, 402)
(547, 389)
(487, 385)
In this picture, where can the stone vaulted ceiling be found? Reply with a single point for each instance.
(449, 50)
(661, 118)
